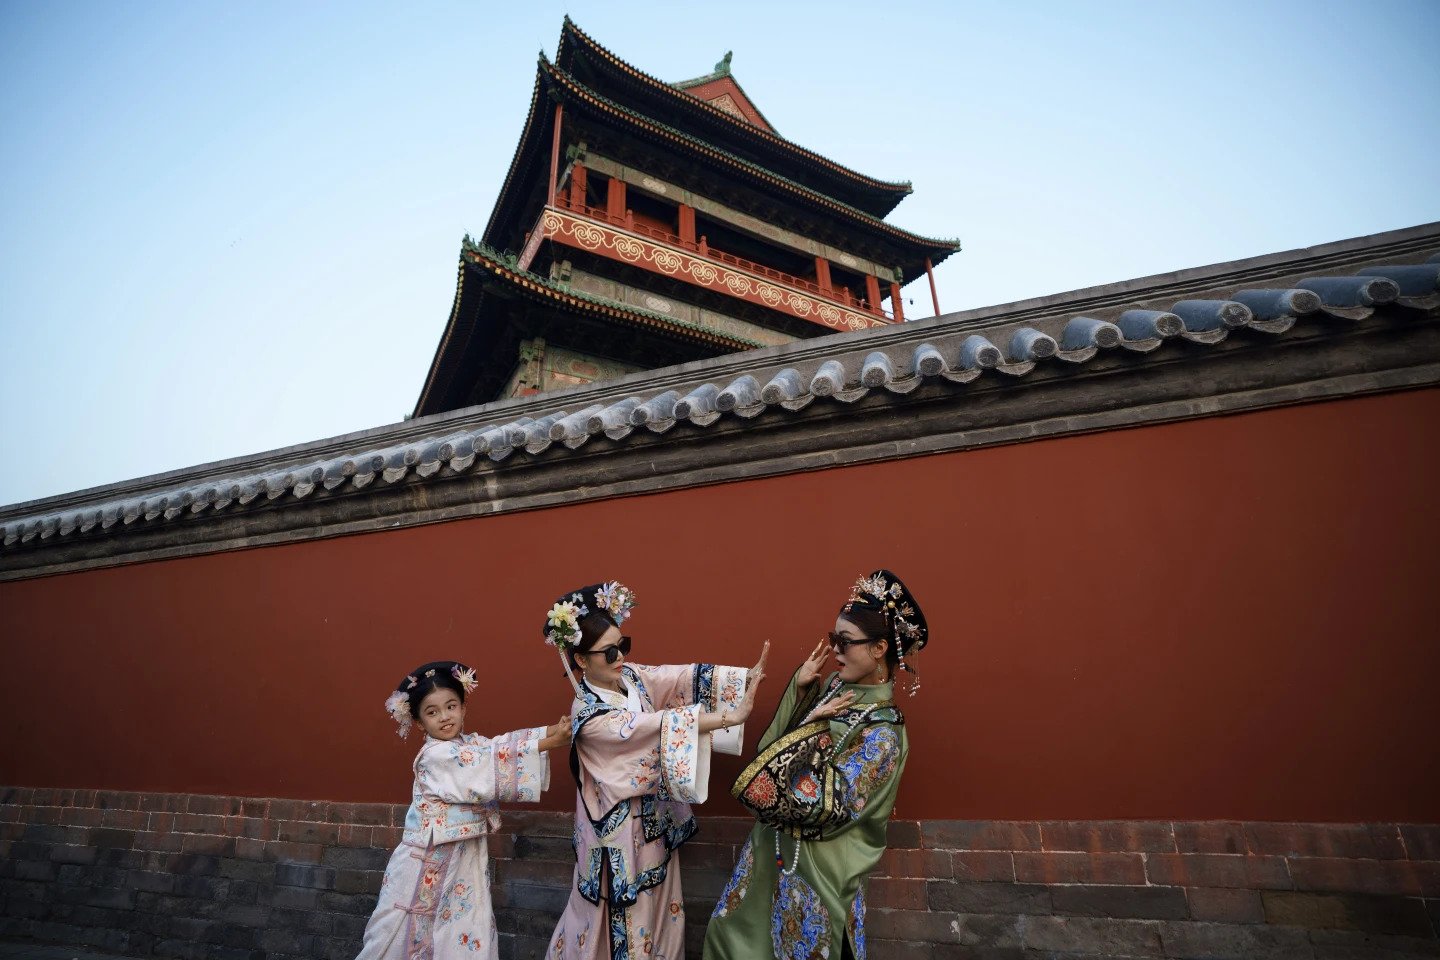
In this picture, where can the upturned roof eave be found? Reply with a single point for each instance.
(495, 266)
(899, 188)
(931, 245)
(513, 173)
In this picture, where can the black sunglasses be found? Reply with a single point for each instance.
(612, 653)
(839, 643)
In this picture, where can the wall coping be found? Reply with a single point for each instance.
(1343, 319)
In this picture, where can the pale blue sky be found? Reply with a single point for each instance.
(226, 228)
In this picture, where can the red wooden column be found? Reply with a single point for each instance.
(577, 186)
(687, 225)
(895, 303)
(822, 275)
(555, 155)
(615, 199)
(872, 292)
(934, 297)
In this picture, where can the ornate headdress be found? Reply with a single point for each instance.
(885, 593)
(562, 622)
(398, 703)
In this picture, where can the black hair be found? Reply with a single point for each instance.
(426, 679)
(593, 626)
(874, 625)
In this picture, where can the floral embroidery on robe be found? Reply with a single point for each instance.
(435, 898)
(639, 760)
(799, 924)
(822, 794)
(857, 924)
(866, 764)
(738, 883)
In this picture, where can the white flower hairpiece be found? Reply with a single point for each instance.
(564, 623)
(466, 676)
(398, 706)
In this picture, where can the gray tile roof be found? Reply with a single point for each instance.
(1257, 301)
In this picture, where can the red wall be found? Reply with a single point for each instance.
(1223, 618)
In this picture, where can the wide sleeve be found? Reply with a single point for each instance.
(868, 769)
(709, 686)
(704, 684)
(807, 784)
(794, 705)
(629, 754)
(473, 769)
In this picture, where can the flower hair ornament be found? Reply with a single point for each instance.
(466, 676)
(398, 706)
(398, 703)
(562, 622)
(884, 592)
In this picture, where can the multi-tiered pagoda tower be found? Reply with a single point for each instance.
(645, 223)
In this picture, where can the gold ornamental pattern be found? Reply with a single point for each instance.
(608, 241)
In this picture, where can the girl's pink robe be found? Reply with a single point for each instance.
(435, 898)
(638, 762)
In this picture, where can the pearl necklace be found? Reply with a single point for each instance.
(780, 861)
(850, 726)
(829, 695)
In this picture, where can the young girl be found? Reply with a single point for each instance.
(435, 898)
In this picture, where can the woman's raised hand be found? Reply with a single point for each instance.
(752, 683)
(809, 671)
(757, 672)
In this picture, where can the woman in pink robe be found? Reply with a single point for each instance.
(641, 739)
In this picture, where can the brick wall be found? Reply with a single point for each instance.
(177, 875)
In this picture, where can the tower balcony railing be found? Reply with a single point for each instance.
(702, 248)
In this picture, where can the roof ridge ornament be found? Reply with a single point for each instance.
(723, 67)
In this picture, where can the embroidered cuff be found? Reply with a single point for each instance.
(684, 755)
(729, 689)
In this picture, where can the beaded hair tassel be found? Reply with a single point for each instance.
(914, 686)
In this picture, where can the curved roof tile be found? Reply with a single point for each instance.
(842, 368)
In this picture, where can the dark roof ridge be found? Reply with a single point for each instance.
(952, 245)
(1230, 273)
(830, 363)
(897, 186)
(515, 164)
(506, 267)
(720, 72)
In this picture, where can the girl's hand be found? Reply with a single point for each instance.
(809, 671)
(557, 735)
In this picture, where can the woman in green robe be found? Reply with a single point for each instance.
(822, 787)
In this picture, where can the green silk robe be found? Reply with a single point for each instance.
(830, 786)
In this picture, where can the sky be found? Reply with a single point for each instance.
(227, 228)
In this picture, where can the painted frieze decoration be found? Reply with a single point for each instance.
(616, 244)
(727, 103)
